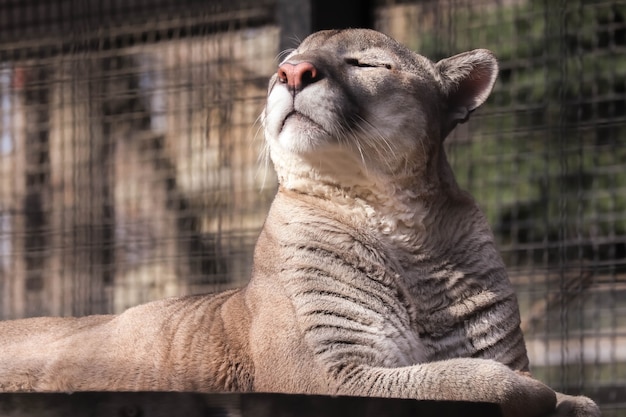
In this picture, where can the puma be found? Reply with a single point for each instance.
(374, 274)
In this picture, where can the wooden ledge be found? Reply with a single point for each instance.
(162, 404)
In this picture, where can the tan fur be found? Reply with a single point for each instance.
(374, 274)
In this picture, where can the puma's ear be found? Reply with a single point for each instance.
(467, 81)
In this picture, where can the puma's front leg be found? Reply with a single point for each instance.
(456, 379)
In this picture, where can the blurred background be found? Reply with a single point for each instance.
(130, 143)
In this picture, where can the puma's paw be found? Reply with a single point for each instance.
(571, 406)
(528, 397)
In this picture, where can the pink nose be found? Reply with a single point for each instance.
(297, 76)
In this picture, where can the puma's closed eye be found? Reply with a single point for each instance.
(356, 63)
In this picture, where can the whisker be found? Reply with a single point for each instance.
(295, 39)
(282, 54)
(376, 141)
(351, 141)
(263, 155)
(379, 135)
(263, 164)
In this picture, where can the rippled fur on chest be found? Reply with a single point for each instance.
(344, 285)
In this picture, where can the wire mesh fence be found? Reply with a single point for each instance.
(129, 149)
(128, 169)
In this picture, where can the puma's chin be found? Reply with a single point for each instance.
(301, 135)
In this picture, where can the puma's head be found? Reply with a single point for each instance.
(354, 105)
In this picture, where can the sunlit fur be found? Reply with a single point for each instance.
(374, 273)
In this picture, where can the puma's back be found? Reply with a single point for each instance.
(374, 274)
(162, 345)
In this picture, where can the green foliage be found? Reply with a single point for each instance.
(547, 155)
